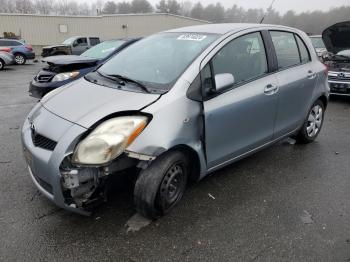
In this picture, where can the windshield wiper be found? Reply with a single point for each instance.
(127, 79)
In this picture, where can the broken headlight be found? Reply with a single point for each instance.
(109, 140)
(65, 76)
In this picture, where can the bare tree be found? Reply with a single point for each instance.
(124, 8)
(141, 6)
(110, 7)
(24, 6)
(185, 8)
(43, 6)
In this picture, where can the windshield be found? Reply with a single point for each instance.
(158, 60)
(69, 41)
(317, 42)
(102, 50)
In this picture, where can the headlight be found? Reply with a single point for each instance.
(65, 76)
(109, 140)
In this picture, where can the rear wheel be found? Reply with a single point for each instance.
(313, 124)
(2, 64)
(161, 186)
(20, 59)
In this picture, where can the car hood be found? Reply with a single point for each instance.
(337, 37)
(52, 46)
(69, 60)
(85, 103)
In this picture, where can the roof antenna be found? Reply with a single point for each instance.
(267, 11)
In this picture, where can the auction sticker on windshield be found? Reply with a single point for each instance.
(192, 37)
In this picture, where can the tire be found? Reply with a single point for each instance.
(20, 59)
(161, 185)
(313, 124)
(2, 64)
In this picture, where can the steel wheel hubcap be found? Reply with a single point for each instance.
(172, 185)
(314, 121)
(19, 59)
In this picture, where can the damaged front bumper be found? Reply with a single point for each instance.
(74, 188)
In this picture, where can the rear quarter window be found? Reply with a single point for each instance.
(304, 52)
(286, 49)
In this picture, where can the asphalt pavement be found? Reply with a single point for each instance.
(286, 203)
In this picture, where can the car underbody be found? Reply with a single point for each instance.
(85, 187)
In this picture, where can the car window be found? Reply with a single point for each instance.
(304, 53)
(2, 43)
(160, 59)
(317, 42)
(244, 58)
(94, 41)
(81, 41)
(7, 43)
(102, 50)
(286, 49)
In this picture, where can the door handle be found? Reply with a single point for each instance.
(271, 89)
(311, 75)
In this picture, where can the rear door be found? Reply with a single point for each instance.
(296, 80)
(242, 118)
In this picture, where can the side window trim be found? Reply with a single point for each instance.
(299, 52)
(296, 36)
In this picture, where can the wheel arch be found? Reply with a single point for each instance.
(195, 160)
(323, 99)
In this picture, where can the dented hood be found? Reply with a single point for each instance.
(69, 60)
(85, 103)
(337, 37)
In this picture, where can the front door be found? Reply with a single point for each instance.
(240, 119)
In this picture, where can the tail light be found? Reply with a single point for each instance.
(327, 66)
(29, 47)
(5, 49)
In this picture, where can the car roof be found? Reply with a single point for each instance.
(10, 39)
(222, 28)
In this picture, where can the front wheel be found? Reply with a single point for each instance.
(20, 59)
(2, 64)
(313, 124)
(161, 185)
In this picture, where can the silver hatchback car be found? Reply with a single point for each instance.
(176, 106)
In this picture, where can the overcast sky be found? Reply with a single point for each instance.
(280, 5)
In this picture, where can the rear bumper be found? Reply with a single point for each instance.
(339, 87)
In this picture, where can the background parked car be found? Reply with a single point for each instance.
(337, 41)
(6, 58)
(72, 46)
(64, 69)
(319, 45)
(19, 49)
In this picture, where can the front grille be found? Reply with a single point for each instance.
(44, 78)
(44, 184)
(339, 76)
(43, 142)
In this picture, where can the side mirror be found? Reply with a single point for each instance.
(223, 81)
(75, 43)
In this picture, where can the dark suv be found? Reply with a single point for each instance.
(19, 49)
